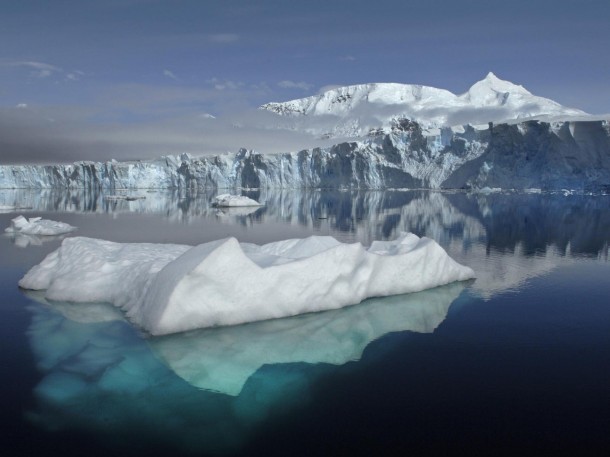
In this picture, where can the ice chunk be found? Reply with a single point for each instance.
(167, 289)
(129, 198)
(38, 226)
(226, 200)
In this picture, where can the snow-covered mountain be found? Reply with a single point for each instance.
(354, 110)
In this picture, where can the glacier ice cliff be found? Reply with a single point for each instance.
(532, 154)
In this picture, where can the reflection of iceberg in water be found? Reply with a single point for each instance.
(101, 376)
(23, 240)
(222, 359)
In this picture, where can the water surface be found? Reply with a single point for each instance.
(514, 361)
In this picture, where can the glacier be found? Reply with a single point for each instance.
(166, 288)
(532, 154)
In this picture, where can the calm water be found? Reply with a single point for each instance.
(517, 360)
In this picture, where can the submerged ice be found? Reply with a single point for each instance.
(172, 288)
(98, 373)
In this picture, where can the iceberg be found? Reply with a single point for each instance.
(228, 200)
(38, 226)
(167, 289)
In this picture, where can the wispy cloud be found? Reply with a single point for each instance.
(43, 70)
(171, 75)
(286, 84)
(75, 75)
(223, 37)
(225, 84)
(347, 58)
(37, 69)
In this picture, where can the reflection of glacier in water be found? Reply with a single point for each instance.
(574, 224)
(100, 375)
(505, 238)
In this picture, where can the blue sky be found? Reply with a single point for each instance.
(101, 66)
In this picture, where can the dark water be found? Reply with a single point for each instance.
(516, 361)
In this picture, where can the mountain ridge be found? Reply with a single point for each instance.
(351, 111)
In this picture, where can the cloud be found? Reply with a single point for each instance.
(43, 70)
(75, 75)
(29, 135)
(22, 105)
(223, 37)
(37, 69)
(225, 84)
(347, 58)
(286, 84)
(170, 75)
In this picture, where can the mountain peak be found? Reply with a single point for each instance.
(493, 91)
(360, 107)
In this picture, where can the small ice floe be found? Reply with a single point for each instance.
(129, 198)
(7, 208)
(173, 288)
(38, 226)
(228, 200)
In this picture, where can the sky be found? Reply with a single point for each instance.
(94, 80)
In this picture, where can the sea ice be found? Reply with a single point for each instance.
(38, 226)
(172, 288)
(226, 200)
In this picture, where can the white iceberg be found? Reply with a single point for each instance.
(228, 200)
(38, 226)
(172, 288)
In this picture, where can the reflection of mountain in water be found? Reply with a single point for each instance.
(100, 375)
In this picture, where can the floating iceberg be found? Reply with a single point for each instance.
(38, 226)
(228, 200)
(172, 288)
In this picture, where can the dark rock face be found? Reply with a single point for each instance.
(576, 155)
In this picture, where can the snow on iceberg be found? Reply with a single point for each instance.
(38, 226)
(228, 200)
(171, 288)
